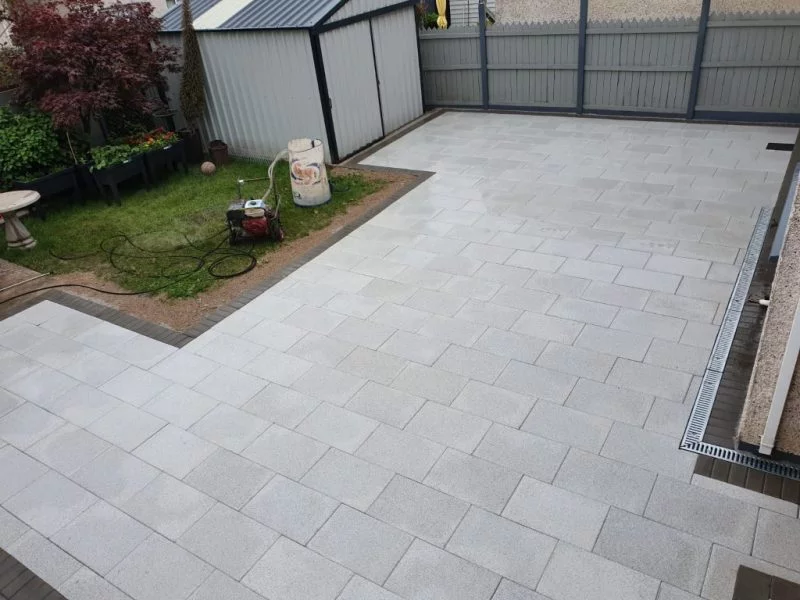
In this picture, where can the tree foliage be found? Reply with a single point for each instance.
(192, 94)
(79, 58)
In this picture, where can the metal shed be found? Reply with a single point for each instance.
(344, 71)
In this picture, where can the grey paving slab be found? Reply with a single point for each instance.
(556, 512)
(27, 424)
(474, 480)
(331, 385)
(44, 558)
(168, 506)
(648, 450)
(180, 406)
(428, 572)
(230, 386)
(17, 471)
(290, 508)
(648, 379)
(568, 426)
(605, 480)
(512, 345)
(574, 573)
(228, 540)
(361, 543)
(385, 404)
(159, 569)
(502, 546)
(87, 584)
(285, 451)
(491, 403)
(83, 405)
(184, 368)
(338, 427)
(777, 539)
(68, 449)
(353, 481)
(546, 384)
(375, 366)
(692, 309)
(229, 478)
(101, 537)
(49, 503)
(281, 405)
(610, 401)
(175, 451)
(400, 452)
(448, 426)
(654, 549)
(451, 329)
(429, 383)
(614, 342)
(547, 327)
(115, 476)
(136, 386)
(576, 361)
(293, 572)
(703, 513)
(11, 528)
(219, 585)
(419, 510)
(649, 324)
(361, 589)
(229, 427)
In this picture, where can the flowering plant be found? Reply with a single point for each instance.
(158, 139)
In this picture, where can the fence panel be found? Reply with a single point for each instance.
(451, 69)
(640, 66)
(750, 69)
(751, 64)
(533, 65)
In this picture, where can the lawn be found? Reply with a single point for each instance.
(168, 238)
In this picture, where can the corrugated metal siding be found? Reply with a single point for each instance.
(266, 14)
(172, 21)
(465, 12)
(174, 79)
(350, 72)
(398, 67)
(261, 90)
(357, 7)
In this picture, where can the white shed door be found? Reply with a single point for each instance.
(395, 40)
(352, 87)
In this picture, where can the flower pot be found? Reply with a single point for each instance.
(194, 145)
(112, 176)
(166, 158)
(219, 152)
(51, 185)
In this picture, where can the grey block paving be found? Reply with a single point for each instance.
(502, 546)
(654, 549)
(427, 571)
(361, 543)
(474, 480)
(476, 395)
(420, 510)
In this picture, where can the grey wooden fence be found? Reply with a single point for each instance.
(750, 67)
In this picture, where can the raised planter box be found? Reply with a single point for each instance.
(111, 177)
(166, 158)
(50, 185)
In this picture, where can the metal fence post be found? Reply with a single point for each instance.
(583, 18)
(699, 50)
(484, 54)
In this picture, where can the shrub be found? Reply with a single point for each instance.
(110, 156)
(192, 95)
(8, 78)
(29, 147)
(430, 20)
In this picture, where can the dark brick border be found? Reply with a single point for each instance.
(755, 585)
(17, 582)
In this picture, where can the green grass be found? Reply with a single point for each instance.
(191, 205)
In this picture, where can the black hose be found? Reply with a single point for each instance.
(212, 260)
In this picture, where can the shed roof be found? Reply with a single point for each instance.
(252, 14)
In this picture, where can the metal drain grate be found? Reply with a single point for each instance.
(701, 410)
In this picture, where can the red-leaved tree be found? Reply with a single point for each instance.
(80, 58)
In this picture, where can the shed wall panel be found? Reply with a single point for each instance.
(398, 67)
(261, 90)
(352, 86)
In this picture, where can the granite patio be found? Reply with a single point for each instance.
(477, 395)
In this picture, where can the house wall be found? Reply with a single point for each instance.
(465, 12)
(261, 90)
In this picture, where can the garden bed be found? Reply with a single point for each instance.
(193, 205)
